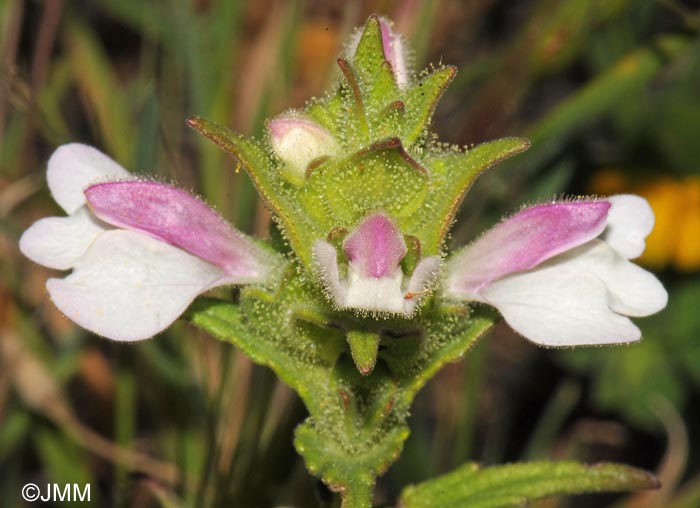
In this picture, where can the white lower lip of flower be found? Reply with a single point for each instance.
(59, 242)
(129, 286)
(581, 297)
(73, 167)
(375, 294)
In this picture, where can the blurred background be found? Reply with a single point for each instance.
(609, 92)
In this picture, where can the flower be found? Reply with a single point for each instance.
(374, 280)
(140, 251)
(560, 273)
(299, 141)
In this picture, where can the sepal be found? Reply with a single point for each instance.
(421, 100)
(247, 155)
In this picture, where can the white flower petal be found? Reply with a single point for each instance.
(630, 220)
(58, 242)
(375, 294)
(423, 277)
(560, 305)
(633, 291)
(326, 259)
(523, 241)
(129, 286)
(73, 167)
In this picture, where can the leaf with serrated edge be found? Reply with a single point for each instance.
(514, 485)
(421, 101)
(369, 54)
(380, 177)
(282, 199)
(451, 176)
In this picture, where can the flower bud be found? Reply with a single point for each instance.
(299, 141)
(394, 52)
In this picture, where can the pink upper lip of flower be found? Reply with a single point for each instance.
(175, 216)
(528, 238)
(375, 281)
(394, 51)
(376, 246)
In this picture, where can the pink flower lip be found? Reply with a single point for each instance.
(175, 216)
(376, 246)
(526, 239)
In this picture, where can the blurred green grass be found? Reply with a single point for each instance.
(186, 421)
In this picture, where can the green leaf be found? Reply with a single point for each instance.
(384, 88)
(358, 129)
(380, 177)
(364, 347)
(379, 84)
(348, 474)
(246, 154)
(369, 55)
(330, 112)
(516, 485)
(283, 201)
(451, 176)
(421, 100)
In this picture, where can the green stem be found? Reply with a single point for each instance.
(358, 496)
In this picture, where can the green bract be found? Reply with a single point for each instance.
(358, 373)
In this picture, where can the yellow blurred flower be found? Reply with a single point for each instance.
(675, 239)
